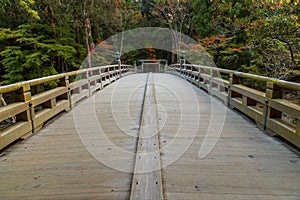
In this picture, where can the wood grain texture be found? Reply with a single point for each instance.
(244, 162)
(146, 181)
(55, 164)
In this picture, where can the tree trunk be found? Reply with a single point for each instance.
(86, 32)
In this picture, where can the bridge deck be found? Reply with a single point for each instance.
(89, 152)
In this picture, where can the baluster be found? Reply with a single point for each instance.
(24, 95)
(273, 92)
(64, 82)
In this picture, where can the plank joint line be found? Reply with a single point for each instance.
(147, 181)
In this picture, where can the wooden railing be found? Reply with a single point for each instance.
(242, 91)
(31, 109)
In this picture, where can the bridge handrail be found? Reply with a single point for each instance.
(268, 107)
(278, 82)
(27, 113)
(37, 81)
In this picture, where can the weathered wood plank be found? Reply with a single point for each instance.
(245, 163)
(12, 110)
(54, 163)
(146, 181)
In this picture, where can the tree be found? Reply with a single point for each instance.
(47, 41)
(221, 27)
(176, 16)
(147, 7)
(202, 18)
(31, 54)
(274, 39)
(17, 12)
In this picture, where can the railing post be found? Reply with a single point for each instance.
(86, 76)
(134, 65)
(199, 75)
(109, 75)
(100, 82)
(210, 81)
(273, 92)
(64, 82)
(182, 62)
(24, 95)
(233, 79)
(118, 60)
(248, 102)
(166, 66)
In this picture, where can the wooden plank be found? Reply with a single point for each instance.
(12, 110)
(249, 92)
(14, 132)
(220, 81)
(244, 164)
(78, 97)
(94, 77)
(46, 96)
(221, 95)
(285, 130)
(46, 114)
(205, 76)
(217, 196)
(78, 83)
(248, 110)
(54, 163)
(146, 181)
(286, 107)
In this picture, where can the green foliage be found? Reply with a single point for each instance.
(147, 7)
(44, 37)
(202, 18)
(27, 5)
(29, 54)
(275, 38)
(12, 12)
(3, 4)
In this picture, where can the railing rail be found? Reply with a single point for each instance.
(267, 107)
(30, 111)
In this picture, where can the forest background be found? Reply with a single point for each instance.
(45, 37)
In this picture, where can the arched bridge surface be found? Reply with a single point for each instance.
(150, 136)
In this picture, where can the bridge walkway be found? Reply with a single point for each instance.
(207, 151)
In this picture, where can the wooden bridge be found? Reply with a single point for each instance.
(193, 133)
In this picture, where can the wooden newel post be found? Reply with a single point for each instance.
(234, 79)
(182, 62)
(118, 61)
(87, 86)
(274, 92)
(24, 95)
(211, 75)
(64, 82)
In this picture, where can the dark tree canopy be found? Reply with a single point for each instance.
(44, 37)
